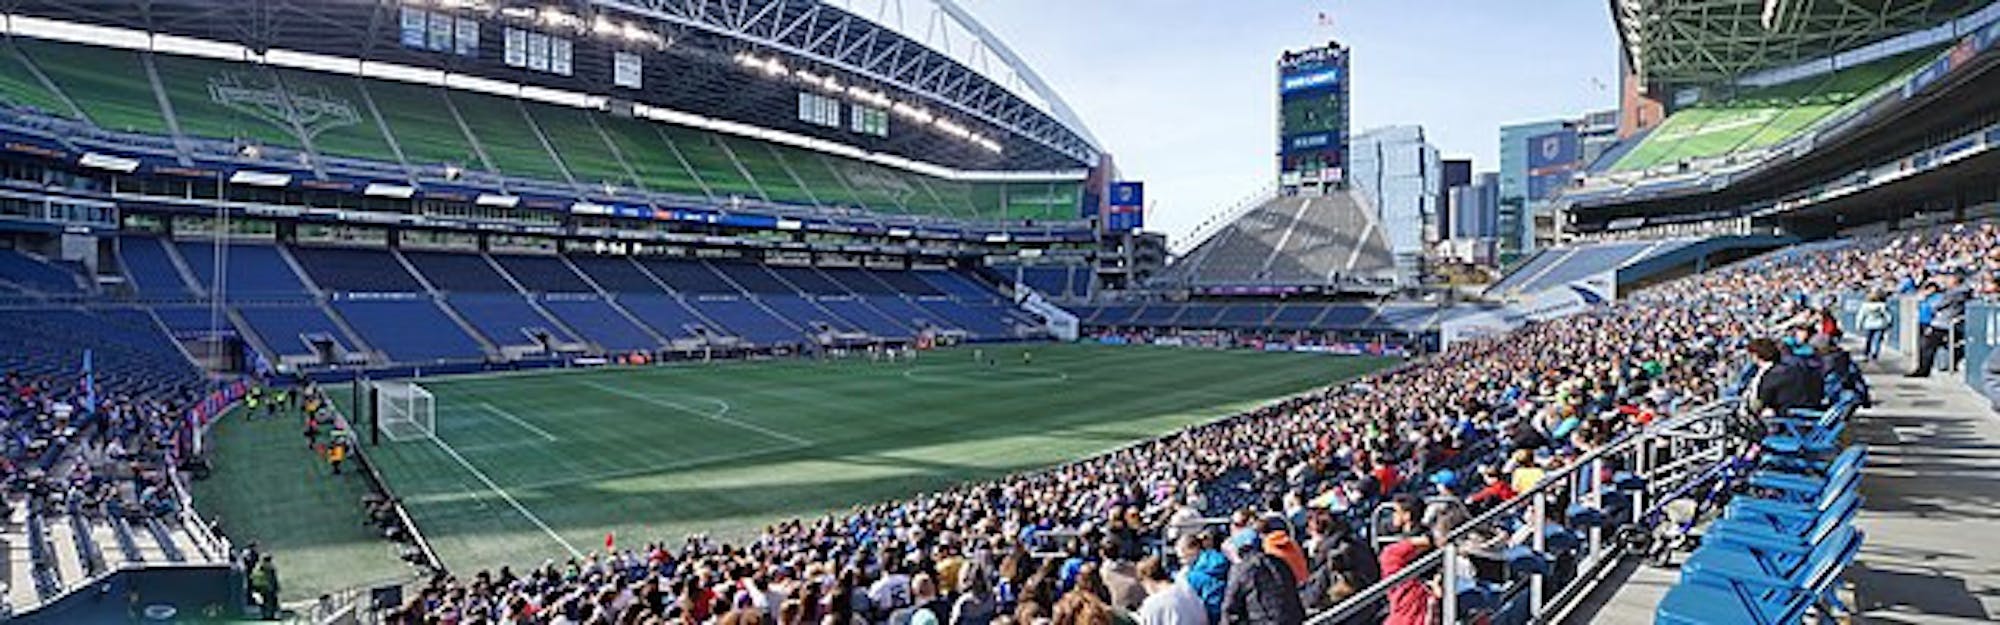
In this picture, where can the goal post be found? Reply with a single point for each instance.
(404, 411)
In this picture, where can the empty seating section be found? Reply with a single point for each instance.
(149, 268)
(1040, 201)
(1761, 117)
(599, 323)
(861, 281)
(805, 314)
(423, 125)
(193, 321)
(751, 278)
(1297, 316)
(829, 189)
(876, 187)
(1293, 240)
(19, 87)
(409, 330)
(24, 272)
(284, 328)
(129, 353)
(666, 315)
(225, 100)
(506, 319)
(253, 270)
(957, 285)
(901, 311)
(658, 166)
(335, 115)
(688, 276)
(1534, 267)
(355, 270)
(107, 84)
(865, 317)
(1553, 268)
(744, 319)
(509, 142)
(978, 321)
(1586, 261)
(808, 280)
(616, 274)
(767, 171)
(710, 164)
(580, 146)
(543, 274)
(459, 272)
(1245, 316)
(1288, 316)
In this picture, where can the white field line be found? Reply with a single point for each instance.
(509, 498)
(660, 468)
(518, 421)
(719, 416)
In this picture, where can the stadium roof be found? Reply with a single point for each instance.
(929, 47)
(1683, 42)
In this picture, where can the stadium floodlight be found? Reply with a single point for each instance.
(398, 191)
(260, 178)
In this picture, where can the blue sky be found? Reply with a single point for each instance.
(1182, 91)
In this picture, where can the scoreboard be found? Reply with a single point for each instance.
(1313, 117)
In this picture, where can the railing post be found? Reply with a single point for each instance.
(1541, 541)
(1448, 584)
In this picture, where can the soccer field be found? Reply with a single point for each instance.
(535, 465)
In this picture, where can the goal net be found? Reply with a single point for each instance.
(405, 411)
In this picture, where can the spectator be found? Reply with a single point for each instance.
(1121, 577)
(1410, 601)
(1168, 601)
(1206, 571)
(1261, 590)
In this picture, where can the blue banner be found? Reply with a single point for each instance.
(1982, 336)
(1556, 151)
(1128, 194)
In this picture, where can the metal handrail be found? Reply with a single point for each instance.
(1534, 500)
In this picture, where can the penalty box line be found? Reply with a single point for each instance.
(502, 492)
(719, 416)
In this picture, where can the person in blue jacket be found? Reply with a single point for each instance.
(1206, 571)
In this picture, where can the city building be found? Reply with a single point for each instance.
(1537, 160)
(1399, 173)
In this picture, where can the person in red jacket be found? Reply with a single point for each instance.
(1410, 600)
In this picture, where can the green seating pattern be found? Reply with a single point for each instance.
(109, 85)
(659, 169)
(348, 127)
(422, 123)
(1766, 116)
(771, 175)
(345, 116)
(710, 163)
(20, 87)
(221, 100)
(579, 145)
(505, 136)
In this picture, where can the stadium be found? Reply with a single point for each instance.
(803, 311)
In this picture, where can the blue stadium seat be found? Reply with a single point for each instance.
(355, 270)
(543, 274)
(459, 272)
(409, 330)
(34, 275)
(505, 319)
(689, 276)
(666, 315)
(599, 323)
(285, 328)
(744, 319)
(254, 270)
(149, 268)
(616, 274)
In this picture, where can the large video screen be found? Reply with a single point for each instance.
(1313, 115)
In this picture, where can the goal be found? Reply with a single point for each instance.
(405, 411)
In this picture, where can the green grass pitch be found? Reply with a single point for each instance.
(530, 466)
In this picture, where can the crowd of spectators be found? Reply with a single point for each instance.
(65, 444)
(1259, 517)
